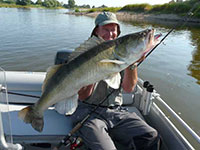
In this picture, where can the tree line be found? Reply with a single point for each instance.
(45, 3)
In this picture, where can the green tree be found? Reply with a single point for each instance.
(23, 2)
(8, 1)
(39, 2)
(51, 3)
(71, 3)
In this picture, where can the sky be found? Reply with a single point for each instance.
(116, 3)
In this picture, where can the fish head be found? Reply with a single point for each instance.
(132, 47)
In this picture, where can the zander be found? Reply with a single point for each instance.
(98, 60)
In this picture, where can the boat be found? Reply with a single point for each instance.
(20, 88)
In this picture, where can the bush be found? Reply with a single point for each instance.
(77, 10)
(8, 1)
(137, 8)
(158, 8)
(177, 8)
(197, 11)
(111, 9)
(92, 10)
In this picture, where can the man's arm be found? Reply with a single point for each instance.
(130, 79)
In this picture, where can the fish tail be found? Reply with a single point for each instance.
(29, 115)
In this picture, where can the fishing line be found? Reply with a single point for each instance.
(79, 125)
(186, 18)
(21, 94)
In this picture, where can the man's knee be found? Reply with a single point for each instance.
(153, 134)
(154, 140)
(149, 140)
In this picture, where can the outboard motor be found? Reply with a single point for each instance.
(62, 56)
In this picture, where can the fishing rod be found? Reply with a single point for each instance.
(79, 125)
(20, 94)
(186, 18)
(189, 14)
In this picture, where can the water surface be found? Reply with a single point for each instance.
(30, 38)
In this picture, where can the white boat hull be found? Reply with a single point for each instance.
(57, 125)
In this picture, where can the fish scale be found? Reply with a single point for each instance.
(93, 61)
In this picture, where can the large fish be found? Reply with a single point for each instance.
(98, 60)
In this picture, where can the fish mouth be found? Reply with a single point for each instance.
(150, 40)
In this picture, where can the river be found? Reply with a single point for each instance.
(30, 38)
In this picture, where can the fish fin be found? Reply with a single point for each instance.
(28, 115)
(114, 80)
(50, 72)
(91, 42)
(88, 44)
(68, 105)
(112, 61)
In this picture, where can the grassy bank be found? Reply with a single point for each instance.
(170, 8)
(19, 6)
(111, 9)
(181, 8)
(5, 5)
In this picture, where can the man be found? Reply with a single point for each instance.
(110, 124)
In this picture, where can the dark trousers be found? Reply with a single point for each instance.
(107, 126)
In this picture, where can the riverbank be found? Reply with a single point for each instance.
(147, 18)
(4, 5)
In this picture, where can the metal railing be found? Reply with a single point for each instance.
(174, 114)
(3, 143)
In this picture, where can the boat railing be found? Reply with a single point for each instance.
(177, 118)
(6, 143)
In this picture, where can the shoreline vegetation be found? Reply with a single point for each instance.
(169, 19)
(166, 13)
(169, 12)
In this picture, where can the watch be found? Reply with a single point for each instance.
(132, 67)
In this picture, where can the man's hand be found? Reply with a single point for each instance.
(141, 59)
(134, 65)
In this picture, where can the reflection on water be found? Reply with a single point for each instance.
(194, 67)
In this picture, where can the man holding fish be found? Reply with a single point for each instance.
(96, 69)
(112, 122)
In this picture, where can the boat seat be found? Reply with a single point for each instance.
(56, 126)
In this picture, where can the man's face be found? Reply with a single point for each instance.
(107, 32)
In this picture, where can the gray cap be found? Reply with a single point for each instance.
(105, 18)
